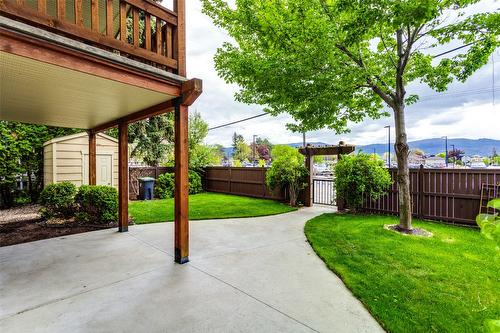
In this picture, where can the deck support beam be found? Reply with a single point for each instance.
(92, 158)
(181, 213)
(122, 177)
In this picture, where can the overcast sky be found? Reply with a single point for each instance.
(464, 111)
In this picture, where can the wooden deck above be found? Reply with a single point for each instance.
(141, 30)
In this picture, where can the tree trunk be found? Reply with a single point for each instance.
(403, 176)
(293, 195)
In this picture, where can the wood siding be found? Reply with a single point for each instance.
(68, 163)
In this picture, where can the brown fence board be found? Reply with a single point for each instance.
(240, 181)
(450, 195)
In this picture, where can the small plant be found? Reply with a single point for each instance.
(165, 184)
(356, 175)
(58, 200)
(490, 228)
(287, 171)
(97, 204)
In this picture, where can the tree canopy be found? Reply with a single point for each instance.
(327, 62)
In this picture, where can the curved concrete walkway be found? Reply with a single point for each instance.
(245, 275)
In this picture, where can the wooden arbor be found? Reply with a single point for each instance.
(61, 65)
(310, 151)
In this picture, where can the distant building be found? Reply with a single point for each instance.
(435, 162)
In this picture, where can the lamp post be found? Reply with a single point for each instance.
(446, 149)
(454, 156)
(388, 146)
(254, 136)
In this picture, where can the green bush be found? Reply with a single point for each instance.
(195, 185)
(97, 204)
(165, 184)
(287, 171)
(360, 174)
(58, 200)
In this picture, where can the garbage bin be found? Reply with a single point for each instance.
(146, 186)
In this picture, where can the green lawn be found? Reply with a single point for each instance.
(447, 283)
(205, 206)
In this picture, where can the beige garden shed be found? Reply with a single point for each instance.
(67, 159)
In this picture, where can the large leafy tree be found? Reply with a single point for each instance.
(328, 62)
(21, 153)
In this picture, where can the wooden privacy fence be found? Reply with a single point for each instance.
(451, 195)
(240, 181)
(137, 172)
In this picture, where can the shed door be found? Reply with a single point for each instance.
(104, 172)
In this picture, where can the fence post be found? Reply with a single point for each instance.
(229, 180)
(263, 182)
(421, 192)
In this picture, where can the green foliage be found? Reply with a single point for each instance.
(21, 152)
(360, 174)
(237, 164)
(490, 223)
(58, 200)
(195, 185)
(165, 184)
(242, 151)
(328, 62)
(97, 204)
(287, 171)
(152, 139)
(262, 163)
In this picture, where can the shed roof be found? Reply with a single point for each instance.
(78, 135)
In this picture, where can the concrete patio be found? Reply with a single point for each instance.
(245, 275)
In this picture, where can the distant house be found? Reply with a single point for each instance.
(435, 162)
(415, 159)
(66, 159)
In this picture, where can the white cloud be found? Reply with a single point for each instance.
(470, 115)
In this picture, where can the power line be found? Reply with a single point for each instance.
(238, 121)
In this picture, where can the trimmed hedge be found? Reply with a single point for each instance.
(165, 185)
(97, 204)
(58, 200)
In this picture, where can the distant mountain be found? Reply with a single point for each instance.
(482, 147)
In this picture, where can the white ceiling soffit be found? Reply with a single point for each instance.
(39, 93)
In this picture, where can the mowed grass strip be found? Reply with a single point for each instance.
(447, 283)
(205, 206)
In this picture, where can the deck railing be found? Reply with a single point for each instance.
(139, 29)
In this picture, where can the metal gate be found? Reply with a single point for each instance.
(323, 191)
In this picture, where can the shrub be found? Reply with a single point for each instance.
(360, 174)
(97, 204)
(287, 171)
(58, 200)
(165, 184)
(195, 185)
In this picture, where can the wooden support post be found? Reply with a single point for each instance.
(123, 177)
(181, 217)
(92, 158)
(308, 202)
(180, 37)
(341, 205)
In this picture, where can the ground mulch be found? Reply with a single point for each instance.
(24, 224)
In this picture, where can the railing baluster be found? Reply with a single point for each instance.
(135, 21)
(123, 22)
(95, 15)
(61, 9)
(20, 2)
(147, 31)
(109, 18)
(78, 13)
(158, 36)
(169, 44)
(42, 6)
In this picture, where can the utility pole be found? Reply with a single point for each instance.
(446, 149)
(304, 139)
(388, 146)
(254, 148)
